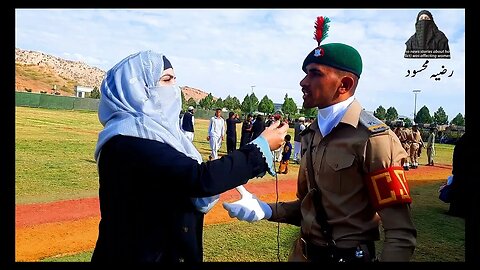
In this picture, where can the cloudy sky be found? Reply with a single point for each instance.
(227, 51)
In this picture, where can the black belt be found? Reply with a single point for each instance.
(364, 251)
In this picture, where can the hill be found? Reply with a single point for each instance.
(38, 72)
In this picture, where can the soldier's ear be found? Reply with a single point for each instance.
(346, 84)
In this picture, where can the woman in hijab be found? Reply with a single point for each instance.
(154, 187)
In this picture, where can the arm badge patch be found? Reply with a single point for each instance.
(387, 187)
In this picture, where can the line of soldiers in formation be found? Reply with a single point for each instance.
(412, 142)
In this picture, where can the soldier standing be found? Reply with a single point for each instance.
(415, 145)
(402, 136)
(350, 177)
(431, 146)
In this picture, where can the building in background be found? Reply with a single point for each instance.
(81, 90)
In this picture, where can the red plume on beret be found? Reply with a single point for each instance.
(321, 29)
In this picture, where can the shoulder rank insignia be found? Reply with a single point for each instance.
(387, 187)
(373, 124)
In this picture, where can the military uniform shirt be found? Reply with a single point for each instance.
(342, 162)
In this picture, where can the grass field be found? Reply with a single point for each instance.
(54, 161)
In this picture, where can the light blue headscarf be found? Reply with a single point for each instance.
(133, 104)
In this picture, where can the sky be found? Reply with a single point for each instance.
(239, 51)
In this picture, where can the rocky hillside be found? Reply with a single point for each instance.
(38, 72)
(76, 71)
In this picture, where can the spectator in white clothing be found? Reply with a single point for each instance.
(216, 131)
(298, 127)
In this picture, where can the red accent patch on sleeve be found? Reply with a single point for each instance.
(387, 187)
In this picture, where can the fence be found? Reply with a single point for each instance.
(35, 100)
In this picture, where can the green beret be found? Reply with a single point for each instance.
(337, 55)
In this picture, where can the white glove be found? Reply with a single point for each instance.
(248, 208)
(206, 203)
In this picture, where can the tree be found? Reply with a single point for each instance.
(266, 105)
(95, 93)
(459, 120)
(245, 106)
(231, 103)
(440, 117)
(236, 103)
(254, 102)
(228, 103)
(310, 113)
(380, 113)
(423, 116)
(219, 103)
(391, 114)
(407, 122)
(249, 104)
(192, 102)
(289, 107)
(206, 102)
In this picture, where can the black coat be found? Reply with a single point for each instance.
(145, 198)
(257, 128)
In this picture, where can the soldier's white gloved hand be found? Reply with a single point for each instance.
(206, 203)
(248, 208)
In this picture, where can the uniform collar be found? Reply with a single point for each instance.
(351, 117)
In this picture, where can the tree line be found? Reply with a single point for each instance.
(422, 116)
(250, 104)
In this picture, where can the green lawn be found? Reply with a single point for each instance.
(54, 153)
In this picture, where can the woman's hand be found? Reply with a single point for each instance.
(275, 134)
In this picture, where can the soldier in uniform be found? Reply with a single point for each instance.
(402, 136)
(431, 146)
(350, 177)
(415, 146)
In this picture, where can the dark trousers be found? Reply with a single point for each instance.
(231, 144)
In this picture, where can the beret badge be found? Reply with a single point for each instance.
(321, 32)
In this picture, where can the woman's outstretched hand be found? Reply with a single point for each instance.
(275, 134)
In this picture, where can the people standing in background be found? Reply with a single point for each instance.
(216, 131)
(277, 154)
(270, 120)
(286, 153)
(415, 145)
(308, 121)
(402, 136)
(188, 123)
(246, 136)
(298, 127)
(431, 146)
(232, 122)
(258, 127)
(408, 146)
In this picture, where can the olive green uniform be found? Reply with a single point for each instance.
(402, 136)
